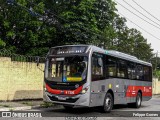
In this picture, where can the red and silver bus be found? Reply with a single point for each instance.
(89, 76)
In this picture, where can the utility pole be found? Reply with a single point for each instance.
(156, 61)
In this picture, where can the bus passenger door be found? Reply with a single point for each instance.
(97, 77)
(121, 82)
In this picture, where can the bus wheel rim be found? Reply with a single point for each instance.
(139, 101)
(108, 103)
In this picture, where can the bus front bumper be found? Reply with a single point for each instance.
(77, 100)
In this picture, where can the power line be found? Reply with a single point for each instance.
(141, 13)
(46, 10)
(137, 15)
(87, 29)
(146, 10)
(139, 27)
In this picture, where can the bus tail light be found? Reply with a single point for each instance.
(84, 90)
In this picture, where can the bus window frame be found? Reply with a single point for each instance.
(106, 66)
(106, 71)
(126, 68)
(103, 60)
(71, 55)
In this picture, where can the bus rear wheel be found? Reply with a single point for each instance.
(108, 103)
(138, 102)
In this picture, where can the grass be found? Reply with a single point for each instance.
(27, 103)
(5, 105)
(11, 109)
(46, 104)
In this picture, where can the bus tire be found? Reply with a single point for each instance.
(108, 103)
(138, 102)
(68, 107)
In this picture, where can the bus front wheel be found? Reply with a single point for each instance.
(108, 103)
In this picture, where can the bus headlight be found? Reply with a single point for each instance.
(45, 89)
(84, 90)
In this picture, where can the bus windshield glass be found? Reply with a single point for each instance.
(66, 69)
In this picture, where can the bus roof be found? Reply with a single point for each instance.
(113, 53)
(120, 55)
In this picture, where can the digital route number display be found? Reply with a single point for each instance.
(67, 50)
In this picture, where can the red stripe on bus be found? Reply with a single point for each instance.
(64, 92)
(133, 90)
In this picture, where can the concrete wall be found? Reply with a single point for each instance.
(156, 86)
(23, 80)
(20, 80)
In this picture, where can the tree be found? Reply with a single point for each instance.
(23, 33)
(158, 66)
(32, 27)
(155, 62)
(119, 37)
(83, 20)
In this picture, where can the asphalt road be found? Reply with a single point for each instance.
(120, 111)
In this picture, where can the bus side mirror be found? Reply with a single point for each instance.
(100, 62)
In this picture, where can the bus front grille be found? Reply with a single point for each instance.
(70, 100)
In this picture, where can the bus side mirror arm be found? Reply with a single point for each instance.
(38, 64)
(40, 69)
(37, 60)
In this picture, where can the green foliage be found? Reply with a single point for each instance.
(21, 32)
(158, 66)
(155, 63)
(46, 105)
(119, 37)
(2, 43)
(62, 22)
(157, 74)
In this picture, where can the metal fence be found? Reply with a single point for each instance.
(21, 58)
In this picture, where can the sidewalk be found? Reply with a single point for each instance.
(157, 95)
(21, 105)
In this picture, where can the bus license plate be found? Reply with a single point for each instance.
(61, 98)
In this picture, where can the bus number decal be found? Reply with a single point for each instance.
(69, 92)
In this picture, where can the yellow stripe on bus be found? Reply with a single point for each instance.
(77, 79)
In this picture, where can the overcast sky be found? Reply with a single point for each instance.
(151, 6)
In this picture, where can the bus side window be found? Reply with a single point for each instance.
(122, 69)
(131, 71)
(139, 72)
(111, 66)
(150, 73)
(97, 67)
(146, 73)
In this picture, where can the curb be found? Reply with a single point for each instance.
(19, 108)
(35, 107)
(16, 108)
(22, 108)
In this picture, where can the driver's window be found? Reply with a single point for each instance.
(75, 69)
(97, 67)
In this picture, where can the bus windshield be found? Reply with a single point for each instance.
(66, 69)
